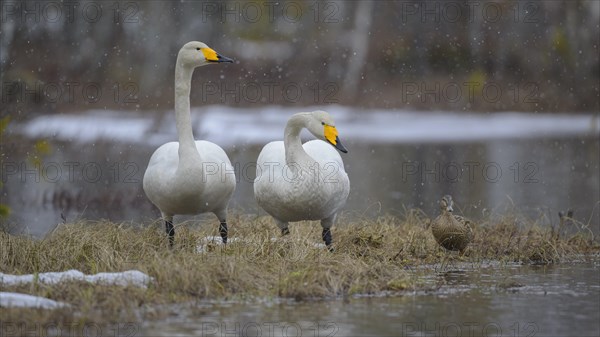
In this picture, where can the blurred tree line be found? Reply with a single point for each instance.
(59, 56)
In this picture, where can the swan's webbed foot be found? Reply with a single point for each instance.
(327, 238)
(170, 232)
(223, 231)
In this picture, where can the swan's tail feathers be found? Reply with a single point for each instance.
(170, 232)
(223, 231)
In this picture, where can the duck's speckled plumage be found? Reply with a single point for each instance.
(451, 231)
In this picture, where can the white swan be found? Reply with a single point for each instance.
(190, 177)
(303, 182)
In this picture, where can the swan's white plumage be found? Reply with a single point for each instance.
(313, 193)
(205, 187)
(188, 176)
(298, 181)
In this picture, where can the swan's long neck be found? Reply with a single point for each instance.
(294, 152)
(183, 82)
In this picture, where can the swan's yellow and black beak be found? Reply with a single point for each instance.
(331, 134)
(212, 56)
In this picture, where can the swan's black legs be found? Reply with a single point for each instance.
(283, 226)
(170, 232)
(327, 237)
(223, 231)
(326, 224)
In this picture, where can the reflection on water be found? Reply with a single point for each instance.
(540, 177)
(498, 301)
(489, 163)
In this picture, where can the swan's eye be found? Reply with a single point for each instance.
(197, 48)
(322, 123)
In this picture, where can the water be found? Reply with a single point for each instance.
(499, 164)
(544, 301)
(496, 164)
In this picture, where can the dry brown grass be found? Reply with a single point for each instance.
(370, 256)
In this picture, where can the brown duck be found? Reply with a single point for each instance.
(451, 231)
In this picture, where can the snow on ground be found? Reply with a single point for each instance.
(17, 300)
(229, 126)
(209, 243)
(130, 277)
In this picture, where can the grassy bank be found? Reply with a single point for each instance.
(388, 254)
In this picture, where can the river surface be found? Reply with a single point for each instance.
(92, 164)
(513, 300)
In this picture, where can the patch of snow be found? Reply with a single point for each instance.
(209, 243)
(130, 277)
(17, 300)
(228, 126)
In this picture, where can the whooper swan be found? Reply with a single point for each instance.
(296, 181)
(190, 177)
(451, 231)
